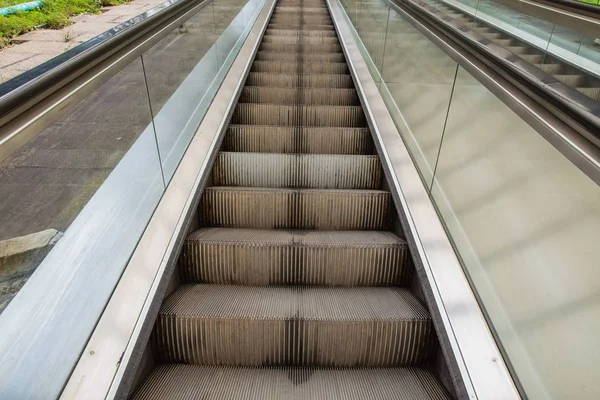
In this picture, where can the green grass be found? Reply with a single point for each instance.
(54, 14)
(595, 2)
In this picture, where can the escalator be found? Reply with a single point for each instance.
(570, 75)
(297, 282)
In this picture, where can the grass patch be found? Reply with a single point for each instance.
(54, 14)
(594, 2)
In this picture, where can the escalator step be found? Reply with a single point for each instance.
(277, 56)
(532, 58)
(279, 257)
(287, 25)
(294, 9)
(193, 382)
(296, 33)
(305, 67)
(319, 171)
(298, 48)
(553, 69)
(289, 139)
(571, 79)
(308, 96)
(591, 92)
(518, 49)
(293, 326)
(300, 80)
(298, 39)
(291, 115)
(323, 209)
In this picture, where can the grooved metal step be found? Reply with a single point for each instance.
(571, 79)
(294, 257)
(294, 80)
(323, 171)
(593, 92)
(308, 96)
(532, 58)
(287, 139)
(302, 67)
(193, 382)
(307, 9)
(294, 286)
(299, 48)
(293, 326)
(306, 115)
(299, 39)
(297, 33)
(313, 57)
(322, 209)
(285, 25)
(550, 68)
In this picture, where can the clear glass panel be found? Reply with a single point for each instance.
(577, 49)
(180, 70)
(525, 222)
(371, 24)
(417, 79)
(229, 25)
(47, 183)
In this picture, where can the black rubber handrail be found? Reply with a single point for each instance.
(570, 103)
(57, 72)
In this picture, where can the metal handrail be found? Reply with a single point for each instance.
(34, 100)
(575, 109)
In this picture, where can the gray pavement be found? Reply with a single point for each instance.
(37, 47)
(48, 181)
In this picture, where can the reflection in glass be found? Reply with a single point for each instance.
(524, 220)
(179, 70)
(418, 77)
(47, 182)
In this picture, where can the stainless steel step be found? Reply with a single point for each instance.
(293, 326)
(322, 171)
(552, 69)
(300, 67)
(294, 257)
(307, 9)
(287, 139)
(592, 92)
(299, 80)
(571, 79)
(299, 48)
(193, 382)
(313, 57)
(298, 26)
(320, 209)
(532, 58)
(295, 33)
(299, 39)
(306, 115)
(519, 50)
(308, 96)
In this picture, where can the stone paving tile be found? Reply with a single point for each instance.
(44, 35)
(10, 58)
(36, 47)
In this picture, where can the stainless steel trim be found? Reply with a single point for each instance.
(470, 348)
(586, 23)
(109, 360)
(580, 151)
(579, 105)
(20, 125)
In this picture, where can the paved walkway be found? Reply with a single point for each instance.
(39, 46)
